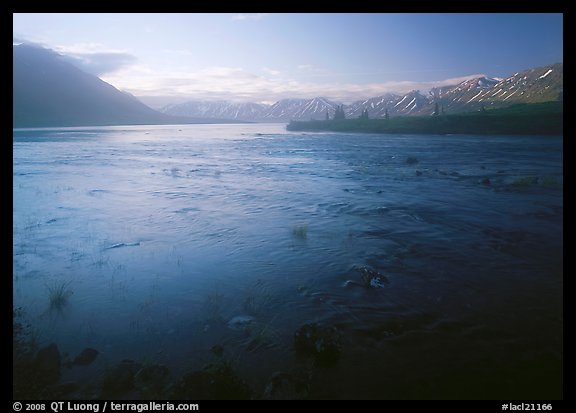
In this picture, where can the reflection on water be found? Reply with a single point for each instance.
(177, 239)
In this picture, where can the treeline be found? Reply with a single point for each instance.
(522, 119)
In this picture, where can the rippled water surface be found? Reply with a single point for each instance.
(166, 233)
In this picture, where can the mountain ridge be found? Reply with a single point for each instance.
(535, 85)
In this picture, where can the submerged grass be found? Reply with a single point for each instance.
(525, 181)
(300, 231)
(59, 292)
(548, 182)
(258, 299)
(551, 183)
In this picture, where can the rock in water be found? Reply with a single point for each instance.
(486, 181)
(371, 278)
(284, 386)
(119, 380)
(64, 389)
(152, 381)
(217, 350)
(323, 343)
(215, 382)
(240, 322)
(47, 363)
(86, 357)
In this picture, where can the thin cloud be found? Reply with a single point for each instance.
(249, 16)
(272, 72)
(178, 52)
(95, 58)
(311, 70)
(121, 69)
(237, 84)
(101, 63)
(17, 40)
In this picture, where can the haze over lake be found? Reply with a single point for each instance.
(176, 239)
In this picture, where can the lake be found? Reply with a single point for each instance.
(170, 240)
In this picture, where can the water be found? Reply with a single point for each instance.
(166, 233)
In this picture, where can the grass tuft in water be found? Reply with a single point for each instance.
(525, 181)
(58, 293)
(300, 231)
(548, 182)
(551, 183)
(258, 299)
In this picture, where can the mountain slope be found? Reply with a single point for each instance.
(48, 91)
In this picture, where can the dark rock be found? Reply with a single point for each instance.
(86, 357)
(240, 322)
(323, 343)
(47, 363)
(412, 161)
(152, 381)
(67, 388)
(370, 278)
(418, 173)
(120, 379)
(284, 386)
(396, 325)
(486, 181)
(214, 382)
(217, 350)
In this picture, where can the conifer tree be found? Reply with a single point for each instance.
(339, 113)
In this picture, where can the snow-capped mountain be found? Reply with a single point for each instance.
(283, 110)
(541, 84)
(303, 109)
(397, 105)
(218, 109)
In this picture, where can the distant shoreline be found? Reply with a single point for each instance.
(522, 119)
(118, 125)
(176, 122)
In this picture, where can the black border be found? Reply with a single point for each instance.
(434, 6)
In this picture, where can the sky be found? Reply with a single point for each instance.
(259, 57)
